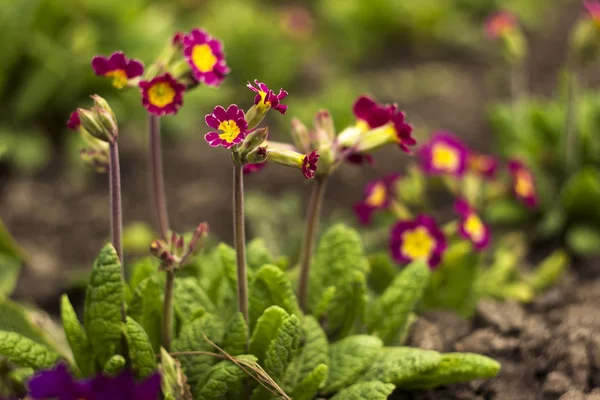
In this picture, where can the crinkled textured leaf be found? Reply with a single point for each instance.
(143, 358)
(223, 379)
(456, 367)
(282, 347)
(310, 385)
(339, 254)
(142, 270)
(103, 300)
(390, 312)
(189, 297)
(20, 376)
(228, 261)
(115, 365)
(271, 288)
(313, 353)
(77, 338)
(382, 271)
(549, 271)
(265, 331)
(400, 364)
(350, 358)
(258, 255)
(236, 335)
(191, 338)
(146, 309)
(25, 352)
(14, 318)
(173, 381)
(366, 391)
(346, 306)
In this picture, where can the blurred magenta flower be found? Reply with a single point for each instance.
(248, 169)
(265, 98)
(402, 131)
(309, 164)
(163, 95)
(499, 24)
(74, 121)
(286, 154)
(58, 383)
(417, 239)
(444, 154)
(482, 164)
(523, 183)
(231, 123)
(205, 56)
(471, 227)
(118, 67)
(378, 195)
(593, 9)
(370, 114)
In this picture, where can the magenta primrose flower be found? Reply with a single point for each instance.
(418, 239)
(309, 164)
(118, 67)
(205, 55)
(265, 98)
(444, 154)
(482, 164)
(248, 169)
(378, 195)
(231, 124)
(471, 227)
(370, 114)
(499, 24)
(163, 95)
(523, 183)
(593, 9)
(74, 121)
(57, 383)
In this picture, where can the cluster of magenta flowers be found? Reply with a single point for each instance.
(421, 237)
(163, 85)
(59, 384)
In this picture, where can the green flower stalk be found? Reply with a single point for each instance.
(157, 176)
(239, 238)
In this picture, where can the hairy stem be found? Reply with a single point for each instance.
(167, 321)
(116, 211)
(571, 142)
(313, 215)
(240, 240)
(157, 178)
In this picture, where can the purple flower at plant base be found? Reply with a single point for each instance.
(482, 164)
(248, 169)
(118, 67)
(378, 195)
(231, 123)
(417, 239)
(471, 226)
(74, 122)
(58, 384)
(265, 98)
(444, 154)
(205, 56)
(523, 183)
(163, 95)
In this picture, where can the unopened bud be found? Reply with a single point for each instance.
(160, 250)
(253, 140)
(300, 135)
(90, 123)
(324, 128)
(255, 115)
(258, 156)
(199, 235)
(103, 104)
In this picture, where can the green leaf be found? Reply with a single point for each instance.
(189, 297)
(115, 365)
(222, 379)
(14, 318)
(103, 302)
(146, 309)
(456, 367)
(265, 331)
(271, 288)
(313, 353)
(10, 269)
(400, 364)
(77, 338)
(236, 335)
(346, 306)
(382, 271)
(350, 357)
(310, 385)
(494, 279)
(9, 246)
(19, 377)
(339, 254)
(173, 381)
(549, 271)
(581, 195)
(191, 338)
(366, 391)
(25, 352)
(390, 312)
(506, 212)
(228, 261)
(143, 359)
(282, 347)
(142, 270)
(258, 255)
(584, 240)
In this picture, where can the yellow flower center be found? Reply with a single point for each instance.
(417, 243)
(161, 94)
(523, 184)
(230, 130)
(203, 58)
(377, 196)
(119, 78)
(262, 104)
(474, 227)
(363, 126)
(445, 158)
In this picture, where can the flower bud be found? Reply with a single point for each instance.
(255, 115)
(253, 140)
(324, 128)
(300, 135)
(258, 156)
(103, 104)
(89, 121)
